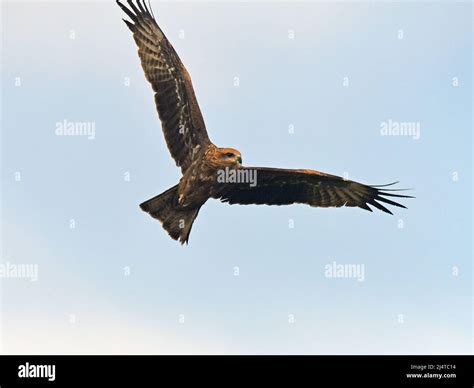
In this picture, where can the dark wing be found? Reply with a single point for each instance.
(276, 186)
(181, 118)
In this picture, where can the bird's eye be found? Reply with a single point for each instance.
(229, 155)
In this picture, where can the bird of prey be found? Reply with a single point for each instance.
(209, 171)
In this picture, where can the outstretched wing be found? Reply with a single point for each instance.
(276, 186)
(181, 118)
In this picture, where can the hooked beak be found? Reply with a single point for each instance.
(239, 159)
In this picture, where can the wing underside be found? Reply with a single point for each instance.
(284, 187)
(182, 122)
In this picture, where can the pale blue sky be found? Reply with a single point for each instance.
(299, 82)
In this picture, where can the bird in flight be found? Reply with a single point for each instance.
(209, 171)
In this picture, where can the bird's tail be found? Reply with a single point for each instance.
(176, 220)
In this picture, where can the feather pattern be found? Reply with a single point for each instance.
(276, 186)
(200, 160)
(182, 122)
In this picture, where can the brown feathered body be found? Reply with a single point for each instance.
(178, 207)
(202, 163)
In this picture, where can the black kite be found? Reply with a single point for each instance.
(213, 172)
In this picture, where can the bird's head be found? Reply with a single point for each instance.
(229, 157)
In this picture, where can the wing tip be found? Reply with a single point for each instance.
(129, 25)
(381, 194)
(386, 185)
(136, 14)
